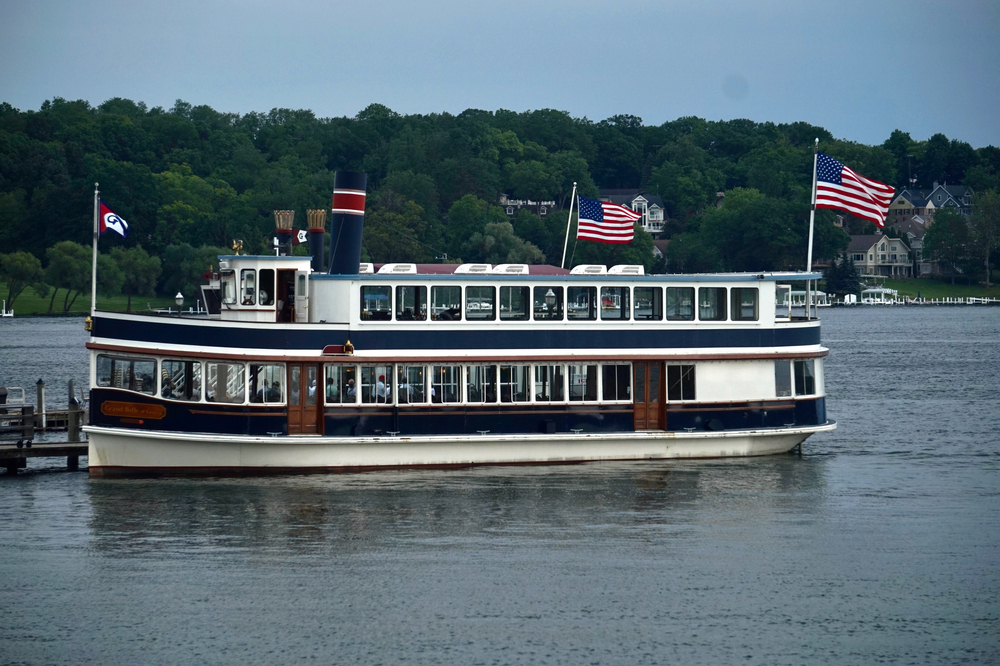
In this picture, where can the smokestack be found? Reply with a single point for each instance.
(283, 220)
(317, 227)
(347, 223)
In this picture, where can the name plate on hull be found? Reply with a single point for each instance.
(133, 410)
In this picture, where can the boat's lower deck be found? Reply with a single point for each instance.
(124, 452)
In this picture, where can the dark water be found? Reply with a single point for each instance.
(881, 544)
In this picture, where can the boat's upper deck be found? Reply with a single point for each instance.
(277, 305)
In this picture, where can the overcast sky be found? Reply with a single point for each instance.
(859, 68)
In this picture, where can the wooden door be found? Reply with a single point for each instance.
(304, 402)
(647, 396)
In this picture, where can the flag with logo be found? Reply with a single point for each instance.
(605, 222)
(839, 187)
(111, 221)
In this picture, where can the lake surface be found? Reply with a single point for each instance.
(881, 543)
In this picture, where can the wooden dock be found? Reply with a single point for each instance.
(18, 428)
(13, 457)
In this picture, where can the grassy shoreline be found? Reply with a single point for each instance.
(30, 304)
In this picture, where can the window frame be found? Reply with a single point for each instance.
(656, 303)
(406, 293)
(268, 396)
(341, 374)
(377, 314)
(671, 305)
(557, 310)
(720, 302)
(681, 382)
(453, 311)
(624, 308)
(618, 371)
(574, 310)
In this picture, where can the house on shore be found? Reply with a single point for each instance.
(876, 255)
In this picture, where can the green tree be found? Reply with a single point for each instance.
(21, 270)
(139, 269)
(842, 277)
(69, 268)
(497, 244)
(188, 268)
(394, 227)
(947, 240)
(110, 277)
(985, 223)
(467, 217)
(752, 232)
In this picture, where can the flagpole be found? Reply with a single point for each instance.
(569, 221)
(812, 219)
(93, 268)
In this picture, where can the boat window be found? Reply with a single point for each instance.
(548, 383)
(227, 284)
(782, 378)
(614, 303)
(341, 385)
(248, 286)
(615, 382)
(411, 303)
(548, 303)
(312, 385)
(581, 303)
(481, 383)
(180, 380)
(224, 382)
(782, 301)
(514, 383)
(445, 385)
(805, 377)
(132, 374)
(582, 382)
(266, 286)
(265, 382)
(712, 303)
(480, 303)
(294, 384)
(680, 304)
(374, 389)
(514, 303)
(744, 306)
(410, 387)
(376, 303)
(648, 303)
(680, 382)
(446, 303)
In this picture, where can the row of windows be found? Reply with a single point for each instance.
(402, 384)
(556, 303)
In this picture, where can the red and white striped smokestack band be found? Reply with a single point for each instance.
(350, 202)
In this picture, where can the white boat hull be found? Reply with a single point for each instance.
(119, 451)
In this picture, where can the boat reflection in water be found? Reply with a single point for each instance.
(328, 516)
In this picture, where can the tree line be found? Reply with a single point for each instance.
(736, 193)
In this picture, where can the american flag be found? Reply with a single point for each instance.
(839, 187)
(605, 222)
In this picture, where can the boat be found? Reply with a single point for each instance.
(4, 312)
(301, 367)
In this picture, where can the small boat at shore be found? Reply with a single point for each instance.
(300, 367)
(4, 312)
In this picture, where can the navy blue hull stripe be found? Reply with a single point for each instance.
(461, 419)
(431, 339)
